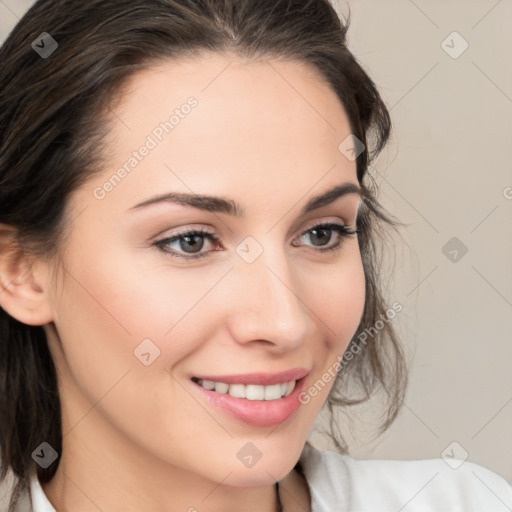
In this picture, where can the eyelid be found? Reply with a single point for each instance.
(336, 220)
(172, 232)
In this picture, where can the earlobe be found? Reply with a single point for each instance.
(23, 294)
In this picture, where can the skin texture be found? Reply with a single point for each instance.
(265, 134)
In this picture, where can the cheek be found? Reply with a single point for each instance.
(115, 310)
(129, 297)
(97, 340)
(104, 313)
(339, 299)
(339, 303)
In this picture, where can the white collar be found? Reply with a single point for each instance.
(40, 502)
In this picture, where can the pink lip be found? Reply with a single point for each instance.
(259, 413)
(262, 379)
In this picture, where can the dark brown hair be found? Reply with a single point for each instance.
(54, 115)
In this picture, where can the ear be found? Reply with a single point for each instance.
(23, 290)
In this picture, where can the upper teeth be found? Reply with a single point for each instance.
(250, 391)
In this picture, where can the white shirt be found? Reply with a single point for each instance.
(340, 483)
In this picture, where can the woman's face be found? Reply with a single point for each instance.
(135, 320)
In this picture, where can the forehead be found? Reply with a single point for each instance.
(255, 125)
(235, 96)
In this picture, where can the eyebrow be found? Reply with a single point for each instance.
(218, 204)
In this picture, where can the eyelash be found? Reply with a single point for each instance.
(341, 229)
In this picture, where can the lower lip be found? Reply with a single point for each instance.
(259, 413)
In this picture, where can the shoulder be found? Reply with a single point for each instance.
(405, 485)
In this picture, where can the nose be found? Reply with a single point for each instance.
(267, 303)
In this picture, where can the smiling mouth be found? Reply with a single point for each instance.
(248, 391)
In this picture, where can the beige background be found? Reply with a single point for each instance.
(445, 173)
